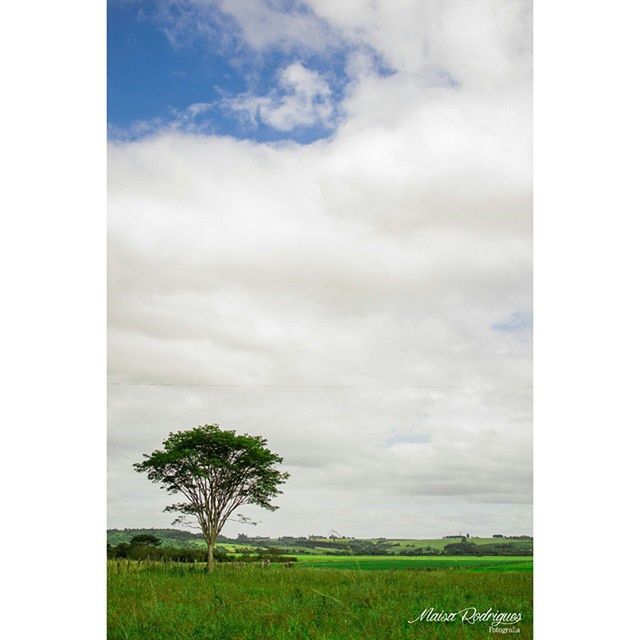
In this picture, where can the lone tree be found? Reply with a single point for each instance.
(216, 471)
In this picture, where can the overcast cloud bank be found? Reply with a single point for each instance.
(363, 301)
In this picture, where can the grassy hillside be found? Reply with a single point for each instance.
(403, 546)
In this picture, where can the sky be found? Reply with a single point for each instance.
(320, 232)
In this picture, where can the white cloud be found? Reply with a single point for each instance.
(188, 120)
(338, 295)
(478, 42)
(277, 23)
(261, 24)
(303, 99)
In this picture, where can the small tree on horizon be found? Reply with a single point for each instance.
(217, 471)
(146, 539)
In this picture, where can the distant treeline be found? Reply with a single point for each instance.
(185, 546)
(124, 550)
(468, 548)
(349, 547)
(383, 547)
(147, 547)
(171, 534)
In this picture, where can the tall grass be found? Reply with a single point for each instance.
(173, 602)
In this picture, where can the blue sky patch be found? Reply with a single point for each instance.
(516, 322)
(408, 438)
(171, 66)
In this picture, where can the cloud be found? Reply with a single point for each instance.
(190, 119)
(278, 24)
(260, 24)
(303, 99)
(353, 299)
(478, 42)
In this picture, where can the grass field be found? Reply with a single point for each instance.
(322, 597)
(484, 563)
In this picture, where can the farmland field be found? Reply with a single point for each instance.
(321, 597)
(485, 563)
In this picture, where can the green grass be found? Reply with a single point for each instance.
(486, 563)
(246, 602)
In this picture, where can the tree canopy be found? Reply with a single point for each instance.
(146, 539)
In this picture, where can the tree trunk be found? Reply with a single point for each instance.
(209, 556)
